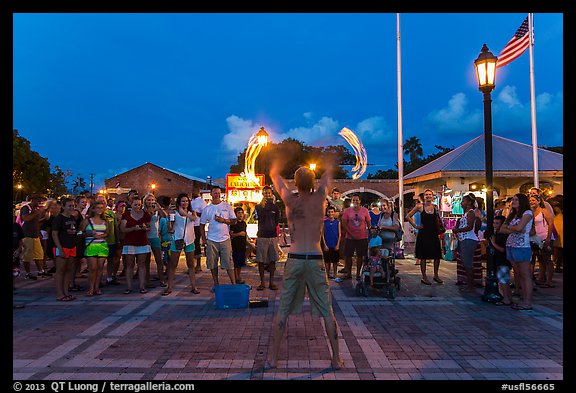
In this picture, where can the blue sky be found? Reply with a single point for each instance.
(103, 93)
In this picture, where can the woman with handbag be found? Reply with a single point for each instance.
(467, 238)
(388, 225)
(427, 241)
(181, 225)
(541, 239)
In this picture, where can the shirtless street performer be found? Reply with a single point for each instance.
(304, 267)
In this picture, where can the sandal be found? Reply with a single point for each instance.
(273, 287)
(127, 291)
(143, 290)
(547, 285)
(195, 291)
(89, 293)
(499, 303)
(166, 293)
(426, 282)
(98, 292)
(64, 298)
(438, 280)
(260, 287)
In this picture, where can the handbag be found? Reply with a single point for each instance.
(439, 226)
(179, 243)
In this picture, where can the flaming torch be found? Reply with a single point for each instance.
(359, 152)
(255, 144)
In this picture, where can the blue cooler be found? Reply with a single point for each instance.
(232, 296)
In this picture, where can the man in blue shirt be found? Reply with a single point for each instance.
(331, 241)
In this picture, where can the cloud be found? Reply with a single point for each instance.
(375, 132)
(240, 132)
(323, 132)
(508, 96)
(510, 118)
(455, 117)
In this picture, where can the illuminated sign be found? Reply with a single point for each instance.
(241, 189)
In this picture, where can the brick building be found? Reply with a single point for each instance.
(150, 177)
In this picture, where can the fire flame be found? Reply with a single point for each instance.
(255, 144)
(359, 151)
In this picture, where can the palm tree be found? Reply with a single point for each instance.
(413, 148)
(78, 183)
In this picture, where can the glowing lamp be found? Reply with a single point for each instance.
(486, 70)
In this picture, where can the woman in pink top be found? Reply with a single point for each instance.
(356, 222)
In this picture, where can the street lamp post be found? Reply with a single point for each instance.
(486, 73)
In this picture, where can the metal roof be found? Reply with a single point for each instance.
(507, 155)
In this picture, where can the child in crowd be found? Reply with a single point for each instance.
(375, 263)
(375, 240)
(331, 241)
(497, 244)
(238, 238)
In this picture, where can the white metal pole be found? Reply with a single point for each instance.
(400, 137)
(533, 101)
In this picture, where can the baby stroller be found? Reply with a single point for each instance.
(388, 280)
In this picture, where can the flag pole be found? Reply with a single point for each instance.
(400, 138)
(533, 101)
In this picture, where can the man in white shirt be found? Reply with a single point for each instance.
(220, 215)
(197, 204)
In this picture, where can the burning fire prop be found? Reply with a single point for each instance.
(359, 151)
(255, 144)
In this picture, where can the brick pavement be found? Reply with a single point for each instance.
(425, 333)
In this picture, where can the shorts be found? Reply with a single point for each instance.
(467, 248)
(503, 274)
(239, 258)
(154, 242)
(97, 250)
(219, 251)
(188, 248)
(519, 254)
(68, 252)
(266, 250)
(197, 235)
(331, 256)
(302, 274)
(358, 245)
(32, 249)
(133, 250)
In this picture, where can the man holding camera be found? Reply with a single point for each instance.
(268, 214)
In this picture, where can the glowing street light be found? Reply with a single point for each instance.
(262, 136)
(313, 166)
(486, 73)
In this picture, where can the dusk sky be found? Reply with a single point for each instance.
(103, 93)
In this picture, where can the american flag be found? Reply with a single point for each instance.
(516, 46)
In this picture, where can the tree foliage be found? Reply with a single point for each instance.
(413, 148)
(293, 154)
(33, 171)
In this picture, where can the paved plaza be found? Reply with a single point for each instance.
(425, 333)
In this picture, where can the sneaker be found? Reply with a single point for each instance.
(29, 276)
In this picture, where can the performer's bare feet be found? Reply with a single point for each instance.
(337, 363)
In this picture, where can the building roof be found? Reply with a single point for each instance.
(507, 155)
(187, 176)
(198, 179)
